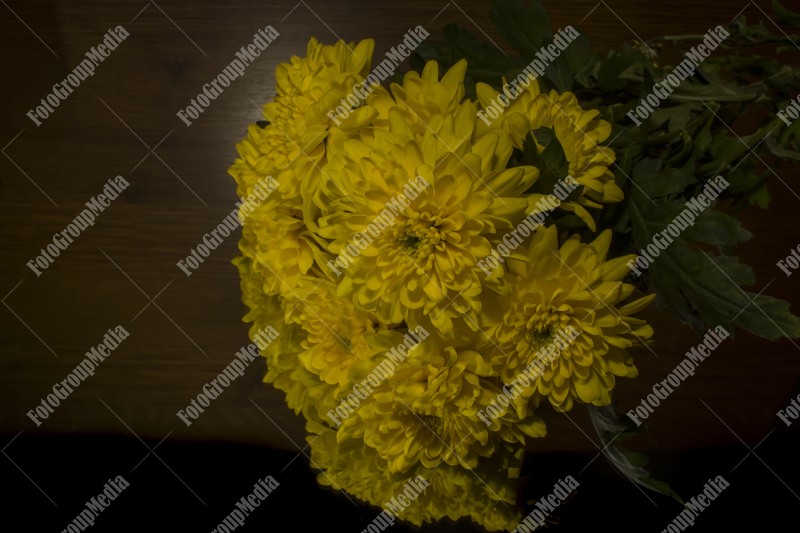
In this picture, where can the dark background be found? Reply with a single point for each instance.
(185, 330)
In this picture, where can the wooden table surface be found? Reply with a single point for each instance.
(183, 331)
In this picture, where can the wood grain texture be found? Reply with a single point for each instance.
(185, 336)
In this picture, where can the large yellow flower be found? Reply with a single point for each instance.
(561, 288)
(580, 133)
(419, 246)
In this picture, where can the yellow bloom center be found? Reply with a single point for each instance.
(537, 325)
(433, 422)
(418, 236)
(540, 337)
(346, 342)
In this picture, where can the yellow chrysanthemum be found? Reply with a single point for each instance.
(427, 412)
(351, 466)
(569, 287)
(263, 309)
(304, 391)
(337, 333)
(308, 88)
(423, 266)
(283, 249)
(580, 133)
(291, 147)
(486, 494)
(424, 103)
(244, 169)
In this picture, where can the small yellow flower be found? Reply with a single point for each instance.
(304, 391)
(291, 147)
(263, 308)
(308, 88)
(486, 494)
(569, 287)
(337, 333)
(424, 103)
(282, 248)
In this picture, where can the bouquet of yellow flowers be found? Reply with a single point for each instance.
(436, 254)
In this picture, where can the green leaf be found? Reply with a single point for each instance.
(782, 152)
(700, 288)
(790, 18)
(612, 427)
(703, 138)
(565, 69)
(727, 149)
(675, 117)
(718, 229)
(609, 75)
(749, 185)
(658, 183)
(648, 82)
(525, 28)
(528, 30)
(550, 160)
(485, 62)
